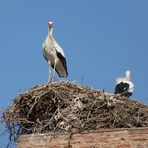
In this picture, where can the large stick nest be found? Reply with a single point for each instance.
(69, 107)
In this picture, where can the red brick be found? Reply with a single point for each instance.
(112, 138)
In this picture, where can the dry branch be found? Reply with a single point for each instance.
(68, 107)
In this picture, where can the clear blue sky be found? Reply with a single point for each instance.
(101, 39)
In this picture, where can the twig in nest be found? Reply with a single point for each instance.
(54, 108)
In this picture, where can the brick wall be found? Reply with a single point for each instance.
(111, 138)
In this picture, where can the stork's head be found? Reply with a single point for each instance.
(50, 25)
(50, 28)
(128, 74)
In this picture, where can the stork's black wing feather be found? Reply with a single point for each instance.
(63, 61)
(122, 88)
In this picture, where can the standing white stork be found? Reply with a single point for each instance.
(54, 55)
(124, 86)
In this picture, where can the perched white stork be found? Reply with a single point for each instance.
(54, 55)
(124, 86)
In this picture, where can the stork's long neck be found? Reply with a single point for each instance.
(50, 31)
(49, 38)
(128, 77)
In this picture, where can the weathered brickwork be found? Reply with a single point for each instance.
(115, 138)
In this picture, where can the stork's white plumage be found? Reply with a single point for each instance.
(54, 55)
(124, 86)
